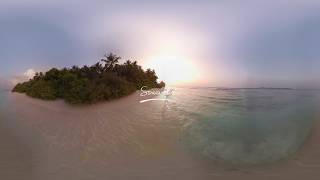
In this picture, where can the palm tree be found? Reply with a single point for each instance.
(128, 62)
(97, 68)
(110, 60)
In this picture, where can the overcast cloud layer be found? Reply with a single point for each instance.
(237, 43)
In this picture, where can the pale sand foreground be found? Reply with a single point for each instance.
(122, 139)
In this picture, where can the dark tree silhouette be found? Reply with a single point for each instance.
(110, 60)
(90, 84)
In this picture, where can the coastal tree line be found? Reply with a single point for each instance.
(105, 80)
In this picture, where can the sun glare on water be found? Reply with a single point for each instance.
(173, 70)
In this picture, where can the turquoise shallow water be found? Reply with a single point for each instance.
(247, 126)
(199, 133)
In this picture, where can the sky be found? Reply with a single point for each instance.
(271, 43)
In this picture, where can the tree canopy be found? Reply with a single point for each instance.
(102, 81)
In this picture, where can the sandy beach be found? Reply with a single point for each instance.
(231, 90)
(122, 139)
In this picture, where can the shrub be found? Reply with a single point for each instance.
(90, 84)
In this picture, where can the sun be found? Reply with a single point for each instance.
(173, 70)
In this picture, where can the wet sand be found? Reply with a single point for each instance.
(122, 139)
(15, 157)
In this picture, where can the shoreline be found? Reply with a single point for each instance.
(86, 133)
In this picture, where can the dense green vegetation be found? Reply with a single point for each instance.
(104, 80)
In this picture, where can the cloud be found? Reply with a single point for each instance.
(28, 74)
(270, 40)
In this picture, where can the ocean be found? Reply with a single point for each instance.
(198, 133)
(248, 126)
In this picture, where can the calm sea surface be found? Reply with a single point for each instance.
(198, 134)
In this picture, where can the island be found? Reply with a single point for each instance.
(103, 81)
